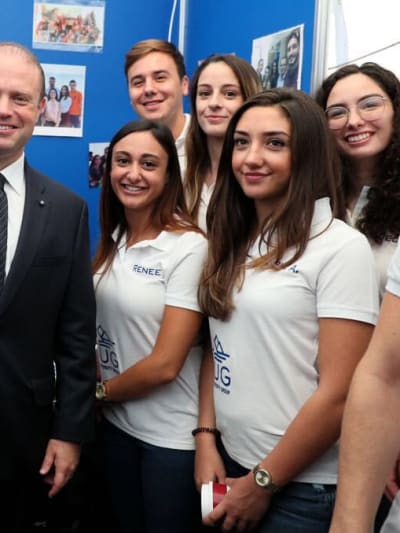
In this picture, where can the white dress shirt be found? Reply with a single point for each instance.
(180, 145)
(15, 191)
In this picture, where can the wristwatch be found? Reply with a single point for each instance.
(101, 391)
(264, 479)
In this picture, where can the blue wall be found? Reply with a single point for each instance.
(212, 26)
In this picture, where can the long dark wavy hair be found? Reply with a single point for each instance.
(380, 218)
(231, 216)
(169, 212)
(198, 158)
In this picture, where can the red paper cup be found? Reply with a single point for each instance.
(211, 495)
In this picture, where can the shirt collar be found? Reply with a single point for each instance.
(179, 142)
(322, 211)
(14, 175)
(353, 216)
(321, 219)
(160, 242)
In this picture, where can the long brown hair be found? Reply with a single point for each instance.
(198, 158)
(231, 216)
(170, 211)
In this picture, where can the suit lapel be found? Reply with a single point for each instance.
(33, 223)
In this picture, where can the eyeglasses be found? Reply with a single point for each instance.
(369, 108)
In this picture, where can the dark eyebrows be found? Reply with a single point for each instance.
(231, 86)
(153, 156)
(225, 86)
(161, 71)
(120, 152)
(142, 156)
(154, 73)
(277, 132)
(265, 133)
(341, 104)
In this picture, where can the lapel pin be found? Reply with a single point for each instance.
(42, 203)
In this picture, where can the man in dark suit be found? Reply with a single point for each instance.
(47, 309)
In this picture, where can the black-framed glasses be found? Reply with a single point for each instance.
(369, 108)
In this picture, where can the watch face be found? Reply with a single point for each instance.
(100, 391)
(262, 478)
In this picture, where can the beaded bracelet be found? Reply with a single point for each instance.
(214, 431)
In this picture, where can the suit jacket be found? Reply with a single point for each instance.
(291, 78)
(47, 315)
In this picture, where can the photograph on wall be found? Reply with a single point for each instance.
(97, 163)
(278, 58)
(68, 25)
(62, 115)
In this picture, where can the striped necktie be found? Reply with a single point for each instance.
(3, 230)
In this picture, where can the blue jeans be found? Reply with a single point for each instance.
(75, 121)
(152, 488)
(297, 508)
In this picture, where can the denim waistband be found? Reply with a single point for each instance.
(323, 487)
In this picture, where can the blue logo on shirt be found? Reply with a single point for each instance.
(222, 378)
(107, 356)
(147, 271)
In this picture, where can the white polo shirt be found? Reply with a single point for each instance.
(131, 297)
(382, 252)
(393, 274)
(265, 355)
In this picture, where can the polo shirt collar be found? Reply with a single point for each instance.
(160, 242)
